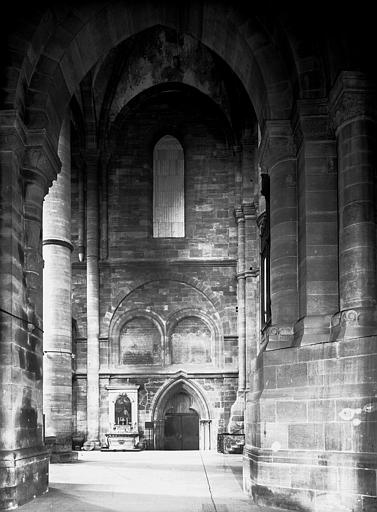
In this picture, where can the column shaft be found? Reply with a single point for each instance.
(57, 310)
(92, 247)
(251, 298)
(354, 107)
(241, 319)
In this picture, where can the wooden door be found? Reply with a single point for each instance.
(182, 431)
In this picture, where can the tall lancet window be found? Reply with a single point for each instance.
(168, 189)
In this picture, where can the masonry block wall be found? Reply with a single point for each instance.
(317, 409)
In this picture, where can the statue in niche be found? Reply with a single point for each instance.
(123, 411)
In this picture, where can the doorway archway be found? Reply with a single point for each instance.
(181, 429)
(181, 417)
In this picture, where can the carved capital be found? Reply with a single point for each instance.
(353, 96)
(41, 161)
(350, 317)
(277, 144)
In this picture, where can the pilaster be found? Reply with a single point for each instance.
(277, 157)
(317, 221)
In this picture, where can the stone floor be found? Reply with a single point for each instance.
(188, 481)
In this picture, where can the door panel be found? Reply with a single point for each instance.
(190, 432)
(181, 432)
(173, 432)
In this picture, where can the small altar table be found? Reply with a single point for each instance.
(123, 440)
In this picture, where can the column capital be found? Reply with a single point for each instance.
(249, 211)
(41, 161)
(352, 96)
(277, 144)
(311, 121)
(239, 214)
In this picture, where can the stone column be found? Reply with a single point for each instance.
(28, 165)
(277, 156)
(57, 310)
(104, 224)
(251, 288)
(353, 104)
(81, 214)
(92, 274)
(236, 421)
(241, 319)
(317, 222)
(205, 434)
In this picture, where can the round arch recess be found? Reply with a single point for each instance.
(217, 346)
(199, 404)
(120, 321)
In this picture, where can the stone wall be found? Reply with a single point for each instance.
(317, 431)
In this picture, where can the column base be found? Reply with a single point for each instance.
(312, 329)
(237, 414)
(310, 481)
(278, 336)
(60, 449)
(90, 445)
(24, 475)
(61, 457)
(354, 323)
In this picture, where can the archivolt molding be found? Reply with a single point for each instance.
(125, 293)
(180, 383)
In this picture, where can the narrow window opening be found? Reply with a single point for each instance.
(168, 189)
(265, 257)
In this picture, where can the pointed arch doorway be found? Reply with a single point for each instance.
(181, 417)
(181, 428)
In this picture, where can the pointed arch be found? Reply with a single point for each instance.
(181, 384)
(176, 385)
